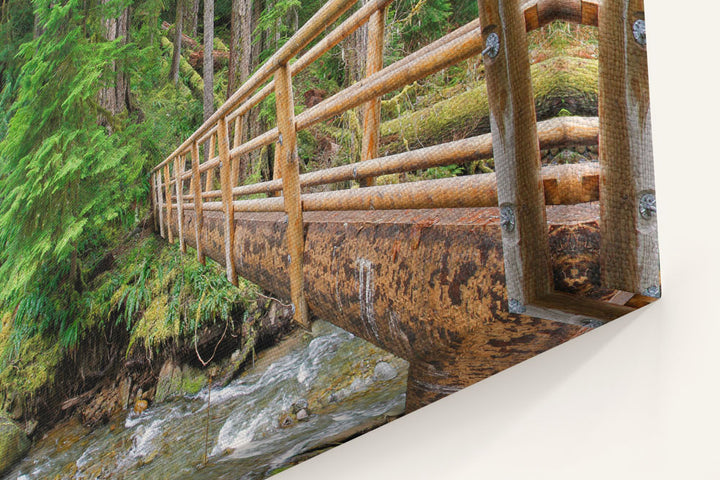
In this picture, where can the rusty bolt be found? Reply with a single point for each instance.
(591, 323)
(492, 45)
(507, 218)
(515, 306)
(647, 205)
(652, 291)
(639, 32)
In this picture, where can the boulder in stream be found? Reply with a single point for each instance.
(14, 444)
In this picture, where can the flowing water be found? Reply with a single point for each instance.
(347, 384)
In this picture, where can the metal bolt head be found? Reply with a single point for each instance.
(591, 323)
(492, 45)
(515, 306)
(652, 291)
(647, 205)
(639, 32)
(507, 218)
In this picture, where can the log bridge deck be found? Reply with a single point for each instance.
(465, 276)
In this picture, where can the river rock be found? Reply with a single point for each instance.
(285, 420)
(384, 372)
(14, 444)
(302, 415)
(175, 381)
(301, 404)
(140, 406)
(124, 392)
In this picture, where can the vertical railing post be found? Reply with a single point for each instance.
(197, 200)
(237, 140)
(516, 151)
(179, 169)
(371, 116)
(210, 174)
(628, 224)
(168, 202)
(227, 200)
(288, 159)
(159, 198)
(277, 170)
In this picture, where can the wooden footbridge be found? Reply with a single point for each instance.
(463, 276)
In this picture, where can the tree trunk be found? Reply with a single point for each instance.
(175, 66)
(355, 52)
(562, 85)
(116, 98)
(191, 17)
(208, 70)
(235, 46)
(208, 35)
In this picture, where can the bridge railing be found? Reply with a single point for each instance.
(521, 187)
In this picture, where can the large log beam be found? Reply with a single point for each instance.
(394, 278)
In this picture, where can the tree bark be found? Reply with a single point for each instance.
(116, 98)
(191, 17)
(235, 46)
(208, 35)
(208, 70)
(175, 66)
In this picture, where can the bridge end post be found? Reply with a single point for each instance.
(517, 152)
(628, 222)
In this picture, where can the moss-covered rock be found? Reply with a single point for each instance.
(562, 84)
(14, 444)
(175, 381)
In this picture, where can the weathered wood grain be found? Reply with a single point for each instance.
(517, 154)
(288, 159)
(371, 115)
(629, 229)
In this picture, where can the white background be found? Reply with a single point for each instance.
(638, 398)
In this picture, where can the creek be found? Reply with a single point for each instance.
(302, 396)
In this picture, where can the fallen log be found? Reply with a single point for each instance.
(562, 83)
(195, 53)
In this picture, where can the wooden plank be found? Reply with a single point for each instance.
(198, 201)
(168, 202)
(629, 248)
(517, 154)
(179, 168)
(288, 160)
(229, 213)
(371, 116)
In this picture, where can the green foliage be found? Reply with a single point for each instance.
(159, 294)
